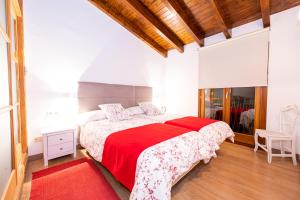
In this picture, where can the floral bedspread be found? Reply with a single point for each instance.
(159, 166)
(219, 131)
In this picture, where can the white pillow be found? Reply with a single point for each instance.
(149, 108)
(114, 112)
(135, 110)
(94, 115)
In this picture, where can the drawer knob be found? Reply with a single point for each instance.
(60, 139)
(60, 148)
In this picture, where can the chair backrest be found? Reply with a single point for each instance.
(289, 118)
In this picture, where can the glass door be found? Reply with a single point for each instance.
(6, 145)
(12, 158)
(214, 103)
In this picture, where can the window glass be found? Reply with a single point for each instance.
(3, 14)
(5, 131)
(4, 86)
(5, 150)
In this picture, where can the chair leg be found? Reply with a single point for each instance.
(269, 146)
(281, 148)
(256, 141)
(294, 153)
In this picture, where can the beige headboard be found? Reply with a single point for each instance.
(90, 95)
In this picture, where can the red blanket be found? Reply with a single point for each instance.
(192, 123)
(122, 149)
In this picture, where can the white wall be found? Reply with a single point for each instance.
(284, 66)
(181, 82)
(64, 46)
(70, 41)
(182, 76)
(283, 72)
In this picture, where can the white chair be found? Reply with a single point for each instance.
(289, 123)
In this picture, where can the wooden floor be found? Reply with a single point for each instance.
(237, 173)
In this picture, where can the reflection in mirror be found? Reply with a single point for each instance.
(242, 110)
(214, 103)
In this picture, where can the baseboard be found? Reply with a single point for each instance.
(40, 155)
(35, 157)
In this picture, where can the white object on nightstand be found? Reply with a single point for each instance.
(58, 142)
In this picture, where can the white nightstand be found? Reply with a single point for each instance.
(58, 142)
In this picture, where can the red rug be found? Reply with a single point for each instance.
(75, 180)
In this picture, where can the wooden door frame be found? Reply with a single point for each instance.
(227, 99)
(14, 9)
(201, 103)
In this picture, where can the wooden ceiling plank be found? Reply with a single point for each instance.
(265, 12)
(108, 9)
(187, 19)
(218, 15)
(164, 30)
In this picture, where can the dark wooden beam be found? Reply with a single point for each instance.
(164, 30)
(186, 17)
(265, 12)
(108, 9)
(219, 17)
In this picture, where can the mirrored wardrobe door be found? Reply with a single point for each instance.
(243, 108)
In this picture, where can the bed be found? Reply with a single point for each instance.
(156, 167)
(219, 130)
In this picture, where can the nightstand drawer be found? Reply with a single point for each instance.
(60, 138)
(60, 149)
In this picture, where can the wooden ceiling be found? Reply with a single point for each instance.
(171, 24)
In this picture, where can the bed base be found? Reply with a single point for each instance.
(185, 173)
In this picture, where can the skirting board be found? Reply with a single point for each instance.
(40, 155)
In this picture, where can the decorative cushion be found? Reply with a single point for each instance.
(135, 110)
(149, 108)
(114, 112)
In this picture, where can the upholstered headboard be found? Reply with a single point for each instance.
(90, 95)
